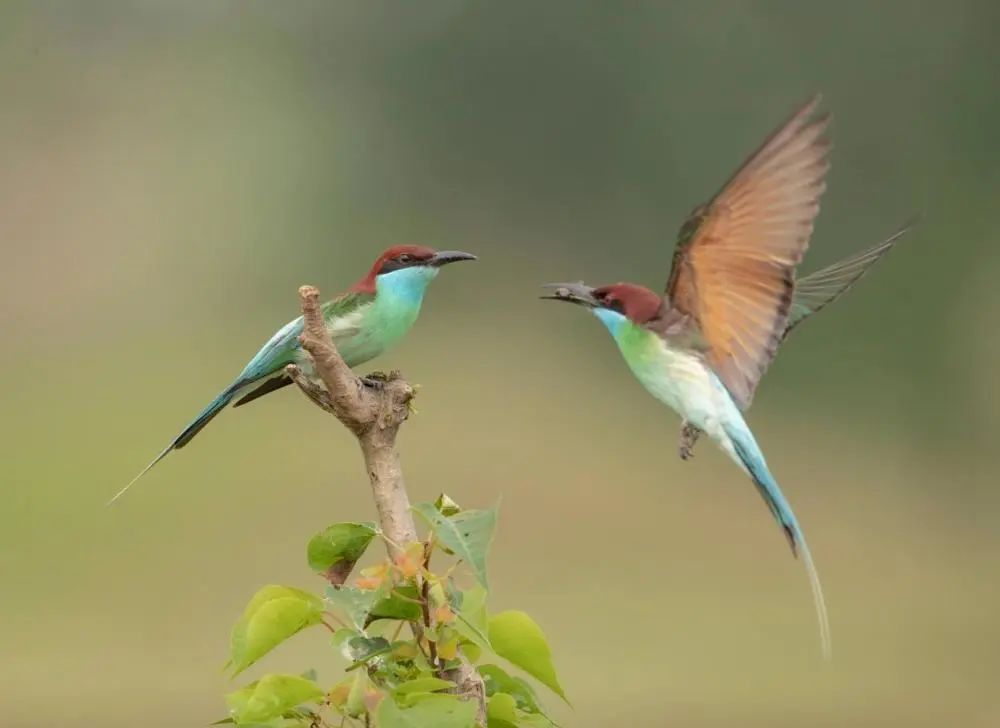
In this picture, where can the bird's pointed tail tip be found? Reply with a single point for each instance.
(132, 482)
(119, 494)
(825, 640)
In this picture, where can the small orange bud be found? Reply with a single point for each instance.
(373, 576)
(410, 561)
(444, 615)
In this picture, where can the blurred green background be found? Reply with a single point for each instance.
(170, 172)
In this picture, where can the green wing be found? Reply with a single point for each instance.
(346, 303)
(828, 284)
(280, 350)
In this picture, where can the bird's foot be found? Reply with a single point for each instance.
(376, 380)
(689, 436)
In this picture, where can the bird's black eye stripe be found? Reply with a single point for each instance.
(393, 264)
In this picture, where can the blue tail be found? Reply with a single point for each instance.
(214, 408)
(750, 456)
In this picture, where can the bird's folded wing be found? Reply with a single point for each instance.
(281, 348)
(734, 267)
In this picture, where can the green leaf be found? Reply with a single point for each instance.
(270, 697)
(360, 649)
(515, 637)
(472, 622)
(446, 505)
(468, 534)
(502, 707)
(536, 720)
(500, 723)
(424, 685)
(471, 650)
(274, 614)
(340, 637)
(353, 603)
(355, 704)
(433, 711)
(400, 603)
(497, 680)
(334, 550)
(413, 691)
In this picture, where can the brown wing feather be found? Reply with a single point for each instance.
(734, 267)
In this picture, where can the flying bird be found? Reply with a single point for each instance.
(371, 316)
(702, 347)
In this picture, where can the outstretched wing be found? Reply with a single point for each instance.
(734, 267)
(828, 284)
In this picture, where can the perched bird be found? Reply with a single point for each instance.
(811, 294)
(730, 298)
(371, 316)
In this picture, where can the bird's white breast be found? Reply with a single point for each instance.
(346, 325)
(681, 380)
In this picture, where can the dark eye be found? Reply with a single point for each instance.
(405, 258)
(614, 304)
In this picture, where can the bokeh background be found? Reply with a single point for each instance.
(170, 172)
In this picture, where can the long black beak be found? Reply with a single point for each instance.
(579, 293)
(444, 257)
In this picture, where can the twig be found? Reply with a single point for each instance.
(374, 415)
(425, 605)
(312, 390)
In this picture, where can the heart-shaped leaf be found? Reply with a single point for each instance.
(334, 550)
(401, 603)
(270, 697)
(468, 534)
(360, 649)
(274, 614)
(516, 637)
(355, 604)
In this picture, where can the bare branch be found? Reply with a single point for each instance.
(374, 414)
(310, 389)
(346, 393)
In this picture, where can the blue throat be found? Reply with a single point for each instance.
(405, 287)
(613, 320)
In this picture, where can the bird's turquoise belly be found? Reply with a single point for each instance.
(361, 347)
(376, 331)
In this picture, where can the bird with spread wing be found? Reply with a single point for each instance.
(731, 298)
